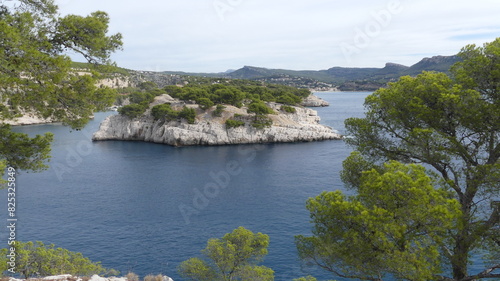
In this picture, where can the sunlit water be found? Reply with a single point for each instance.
(146, 207)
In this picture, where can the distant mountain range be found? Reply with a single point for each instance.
(340, 78)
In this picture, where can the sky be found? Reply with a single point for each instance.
(217, 35)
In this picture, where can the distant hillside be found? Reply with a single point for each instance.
(335, 78)
(348, 78)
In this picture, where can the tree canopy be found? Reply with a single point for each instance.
(452, 126)
(36, 75)
(37, 259)
(233, 257)
(394, 225)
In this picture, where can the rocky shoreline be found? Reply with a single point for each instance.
(27, 119)
(301, 126)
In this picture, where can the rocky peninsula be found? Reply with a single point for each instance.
(301, 125)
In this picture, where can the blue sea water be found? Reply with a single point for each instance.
(146, 207)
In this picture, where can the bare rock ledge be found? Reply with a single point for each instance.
(301, 126)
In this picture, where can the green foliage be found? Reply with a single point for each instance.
(235, 92)
(87, 36)
(36, 75)
(188, 113)
(141, 97)
(452, 125)
(193, 93)
(167, 113)
(22, 152)
(395, 225)
(47, 260)
(173, 91)
(133, 110)
(229, 95)
(231, 123)
(3, 167)
(233, 257)
(38, 78)
(288, 109)
(147, 86)
(218, 110)
(205, 103)
(261, 122)
(259, 107)
(289, 99)
(353, 167)
(164, 111)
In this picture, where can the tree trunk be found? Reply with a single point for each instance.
(460, 257)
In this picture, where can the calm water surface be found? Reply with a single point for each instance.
(139, 206)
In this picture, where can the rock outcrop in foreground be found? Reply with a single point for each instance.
(303, 125)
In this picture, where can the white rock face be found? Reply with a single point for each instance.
(314, 101)
(208, 130)
(27, 119)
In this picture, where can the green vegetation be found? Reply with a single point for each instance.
(261, 122)
(259, 108)
(233, 257)
(167, 113)
(21, 152)
(231, 123)
(164, 111)
(207, 92)
(288, 109)
(37, 77)
(393, 225)
(218, 110)
(141, 97)
(188, 113)
(406, 221)
(235, 92)
(205, 103)
(46, 260)
(133, 110)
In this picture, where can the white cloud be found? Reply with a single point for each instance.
(197, 35)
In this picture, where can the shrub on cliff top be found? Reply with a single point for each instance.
(36, 258)
(133, 110)
(259, 107)
(218, 110)
(231, 123)
(288, 109)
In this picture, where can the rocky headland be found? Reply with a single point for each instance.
(314, 101)
(300, 126)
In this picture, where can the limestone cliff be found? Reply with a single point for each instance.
(314, 101)
(303, 125)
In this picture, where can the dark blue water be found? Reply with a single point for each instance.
(146, 207)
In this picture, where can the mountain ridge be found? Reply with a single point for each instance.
(341, 78)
